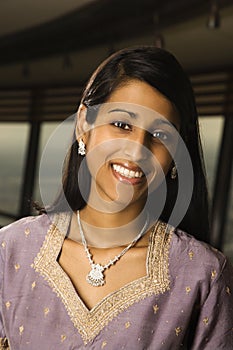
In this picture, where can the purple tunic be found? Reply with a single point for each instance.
(185, 300)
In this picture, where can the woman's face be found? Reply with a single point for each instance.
(131, 145)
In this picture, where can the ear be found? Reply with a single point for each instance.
(82, 125)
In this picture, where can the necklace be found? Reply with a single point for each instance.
(96, 276)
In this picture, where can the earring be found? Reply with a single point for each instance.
(173, 172)
(81, 148)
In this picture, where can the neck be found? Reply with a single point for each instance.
(106, 230)
(102, 220)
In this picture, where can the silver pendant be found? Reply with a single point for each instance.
(96, 276)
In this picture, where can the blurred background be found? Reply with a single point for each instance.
(48, 49)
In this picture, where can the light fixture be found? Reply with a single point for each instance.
(158, 40)
(213, 20)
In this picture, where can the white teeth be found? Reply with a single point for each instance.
(126, 172)
(131, 173)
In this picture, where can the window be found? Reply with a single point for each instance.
(54, 142)
(13, 142)
(228, 241)
(211, 132)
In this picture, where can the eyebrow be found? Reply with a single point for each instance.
(131, 114)
(164, 121)
(135, 116)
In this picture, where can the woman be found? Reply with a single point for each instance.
(103, 268)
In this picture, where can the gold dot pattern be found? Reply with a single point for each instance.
(155, 308)
(21, 330)
(178, 331)
(17, 267)
(103, 344)
(63, 338)
(114, 316)
(127, 324)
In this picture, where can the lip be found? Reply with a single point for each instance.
(128, 180)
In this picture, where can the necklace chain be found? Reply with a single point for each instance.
(96, 277)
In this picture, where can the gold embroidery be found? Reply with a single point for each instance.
(27, 232)
(3, 246)
(103, 344)
(63, 338)
(206, 320)
(191, 254)
(188, 290)
(127, 324)
(17, 267)
(213, 274)
(8, 304)
(21, 330)
(178, 330)
(33, 285)
(46, 311)
(90, 322)
(156, 308)
(4, 344)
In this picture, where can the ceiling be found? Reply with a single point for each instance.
(48, 42)
(17, 16)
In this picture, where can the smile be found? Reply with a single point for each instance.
(130, 174)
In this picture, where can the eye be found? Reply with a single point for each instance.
(122, 125)
(160, 135)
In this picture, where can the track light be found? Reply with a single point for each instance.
(159, 40)
(158, 36)
(213, 21)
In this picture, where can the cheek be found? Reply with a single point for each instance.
(96, 137)
(99, 154)
(95, 158)
(92, 141)
(164, 158)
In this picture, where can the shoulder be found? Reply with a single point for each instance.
(24, 237)
(24, 227)
(20, 242)
(195, 257)
(28, 234)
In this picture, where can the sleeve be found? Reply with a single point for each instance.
(3, 340)
(215, 324)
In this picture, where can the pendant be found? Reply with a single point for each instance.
(96, 276)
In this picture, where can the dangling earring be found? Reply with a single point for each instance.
(173, 172)
(81, 148)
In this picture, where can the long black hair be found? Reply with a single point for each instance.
(159, 69)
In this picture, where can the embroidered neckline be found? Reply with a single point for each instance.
(90, 322)
(4, 344)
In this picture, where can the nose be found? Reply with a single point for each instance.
(137, 146)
